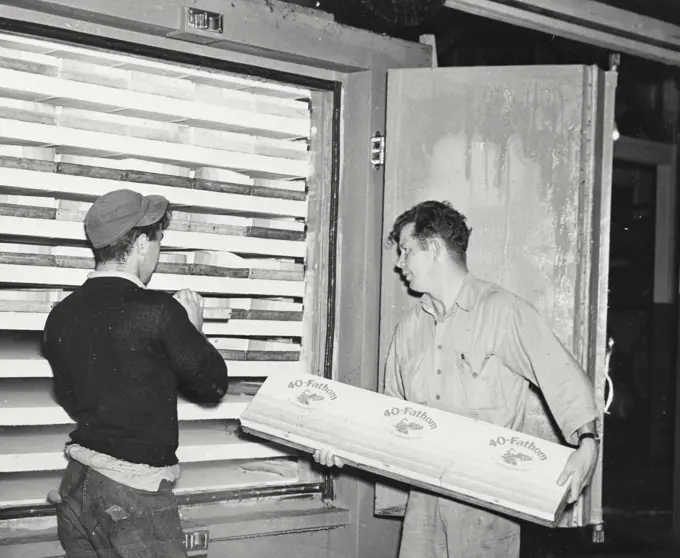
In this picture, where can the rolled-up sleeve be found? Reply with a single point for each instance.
(531, 349)
(394, 383)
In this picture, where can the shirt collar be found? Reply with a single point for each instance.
(466, 299)
(120, 275)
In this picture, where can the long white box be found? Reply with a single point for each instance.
(460, 458)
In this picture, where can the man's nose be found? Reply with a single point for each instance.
(400, 261)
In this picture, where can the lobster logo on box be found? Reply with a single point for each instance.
(407, 422)
(516, 453)
(311, 394)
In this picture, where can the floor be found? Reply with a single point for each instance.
(647, 536)
(637, 498)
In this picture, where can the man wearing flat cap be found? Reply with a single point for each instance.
(118, 353)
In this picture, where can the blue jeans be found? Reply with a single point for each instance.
(101, 518)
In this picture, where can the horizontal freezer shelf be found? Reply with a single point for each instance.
(42, 448)
(91, 143)
(35, 321)
(24, 85)
(40, 177)
(21, 358)
(29, 47)
(129, 125)
(29, 402)
(55, 276)
(31, 489)
(172, 239)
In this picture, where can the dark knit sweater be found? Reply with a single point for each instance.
(119, 353)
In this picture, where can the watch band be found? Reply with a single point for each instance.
(591, 435)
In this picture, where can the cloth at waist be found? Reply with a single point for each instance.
(135, 475)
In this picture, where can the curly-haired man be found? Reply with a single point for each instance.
(471, 348)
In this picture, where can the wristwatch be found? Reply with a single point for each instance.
(588, 435)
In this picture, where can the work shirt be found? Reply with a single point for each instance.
(480, 359)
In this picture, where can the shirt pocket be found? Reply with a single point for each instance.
(481, 380)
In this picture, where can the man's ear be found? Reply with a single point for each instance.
(436, 247)
(142, 244)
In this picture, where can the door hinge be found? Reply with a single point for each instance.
(377, 150)
(197, 540)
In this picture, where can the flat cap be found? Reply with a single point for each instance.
(116, 213)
